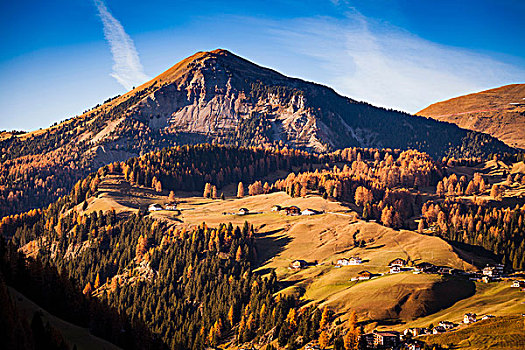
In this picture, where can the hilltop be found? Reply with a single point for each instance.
(499, 112)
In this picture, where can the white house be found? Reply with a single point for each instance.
(469, 318)
(343, 262)
(493, 271)
(170, 206)
(398, 262)
(518, 284)
(243, 211)
(447, 325)
(355, 260)
(155, 207)
(486, 317)
(395, 269)
(438, 330)
(299, 264)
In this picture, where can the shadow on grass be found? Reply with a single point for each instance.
(375, 247)
(270, 246)
(462, 248)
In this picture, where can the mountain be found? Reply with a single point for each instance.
(498, 112)
(215, 97)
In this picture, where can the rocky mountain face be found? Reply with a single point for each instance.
(214, 97)
(498, 112)
(219, 96)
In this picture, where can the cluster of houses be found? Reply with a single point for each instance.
(396, 340)
(291, 210)
(294, 210)
(355, 260)
(445, 326)
(168, 206)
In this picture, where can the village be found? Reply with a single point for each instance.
(407, 340)
(385, 338)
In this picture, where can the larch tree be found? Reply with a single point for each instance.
(240, 190)
(324, 339)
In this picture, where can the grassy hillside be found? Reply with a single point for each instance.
(487, 111)
(323, 239)
(496, 298)
(499, 333)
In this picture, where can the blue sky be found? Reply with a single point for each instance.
(60, 57)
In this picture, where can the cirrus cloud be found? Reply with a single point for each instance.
(127, 69)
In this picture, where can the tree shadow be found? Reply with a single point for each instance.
(375, 247)
(472, 253)
(268, 246)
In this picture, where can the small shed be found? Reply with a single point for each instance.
(310, 212)
(277, 208)
(170, 206)
(243, 211)
(155, 207)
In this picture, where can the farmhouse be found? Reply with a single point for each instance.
(386, 338)
(355, 260)
(343, 262)
(243, 211)
(416, 331)
(424, 267)
(438, 330)
(352, 261)
(398, 262)
(364, 275)
(469, 318)
(486, 317)
(518, 284)
(292, 210)
(299, 264)
(447, 325)
(395, 269)
(493, 271)
(155, 207)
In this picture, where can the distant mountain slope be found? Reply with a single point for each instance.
(498, 112)
(213, 97)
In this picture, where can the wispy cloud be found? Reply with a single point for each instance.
(388, 66)
(127, 69)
